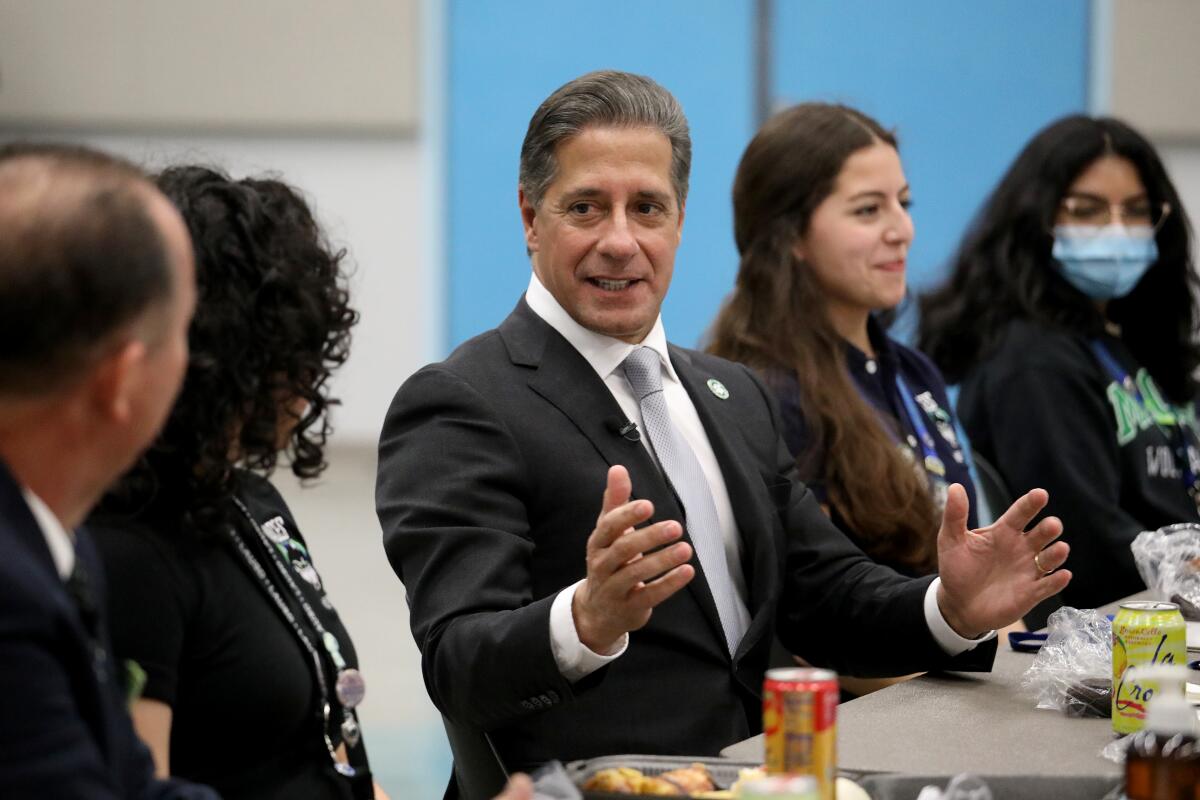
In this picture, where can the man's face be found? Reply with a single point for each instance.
(604, 237)
(166, 359)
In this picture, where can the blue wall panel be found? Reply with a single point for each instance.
(504, 58)
(965, 85)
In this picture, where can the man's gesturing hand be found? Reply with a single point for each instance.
(519, 787)
(625, 580)
(990, 577)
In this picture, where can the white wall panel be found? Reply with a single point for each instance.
(213, 65)
(1155, 67)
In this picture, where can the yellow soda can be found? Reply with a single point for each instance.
(1143, 633)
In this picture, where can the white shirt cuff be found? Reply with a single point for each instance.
(573, 657)
(945, 636)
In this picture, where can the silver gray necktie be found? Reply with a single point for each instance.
(643, 370)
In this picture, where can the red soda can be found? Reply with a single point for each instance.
(800, 724)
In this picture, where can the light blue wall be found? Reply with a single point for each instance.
(964, 84)
(506, 57)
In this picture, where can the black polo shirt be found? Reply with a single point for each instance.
(1046, 413)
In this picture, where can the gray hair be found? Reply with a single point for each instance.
(606, 98)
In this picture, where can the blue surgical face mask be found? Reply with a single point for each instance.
(1104, 263)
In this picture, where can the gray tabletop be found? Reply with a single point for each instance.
(947, 723)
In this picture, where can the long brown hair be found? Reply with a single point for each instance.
(776, 320)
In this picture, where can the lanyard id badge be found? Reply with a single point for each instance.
(349, 687)
(934, 466)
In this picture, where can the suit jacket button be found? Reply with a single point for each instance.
(528, 706)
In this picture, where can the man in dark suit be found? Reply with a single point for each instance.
(599, 532)
(96, 291)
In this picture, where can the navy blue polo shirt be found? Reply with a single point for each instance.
(876, 382)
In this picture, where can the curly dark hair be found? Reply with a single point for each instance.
(272, 322)
(1003, 269)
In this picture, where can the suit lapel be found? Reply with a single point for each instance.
(565, 379)
(15, 511)
(746, 496)
(27, 535)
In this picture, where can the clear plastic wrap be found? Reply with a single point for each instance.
(1115, 750)
(961, 787)
(1072, 672)
(1169, 562)
(551, 782)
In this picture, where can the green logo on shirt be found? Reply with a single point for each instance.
(1134, 416)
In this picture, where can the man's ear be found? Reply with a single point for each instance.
(115, 380)
(528, 213)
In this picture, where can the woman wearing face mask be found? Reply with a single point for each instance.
(1069, 318)
(822, 225)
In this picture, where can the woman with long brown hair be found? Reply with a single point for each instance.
(822, 225)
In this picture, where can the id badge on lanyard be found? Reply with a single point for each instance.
(934, 466)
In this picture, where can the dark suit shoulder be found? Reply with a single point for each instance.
(730, 373)
(26, 583)
(748, 405)
(481, 348)
(721, 367)
(481, 362)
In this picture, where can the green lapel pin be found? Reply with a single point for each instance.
(718, 388)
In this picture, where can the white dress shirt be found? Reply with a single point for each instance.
(60, 542)
(605, 355)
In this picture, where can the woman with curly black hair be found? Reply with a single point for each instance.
(250, 677)
(1070, 320)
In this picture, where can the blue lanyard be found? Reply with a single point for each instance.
(1178, 439)
(929, 455)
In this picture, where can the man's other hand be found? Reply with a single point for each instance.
(990, 576)
(519, 787)
(629, 571)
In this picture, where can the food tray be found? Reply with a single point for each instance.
(724, 771)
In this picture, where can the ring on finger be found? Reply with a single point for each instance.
(1037, 562)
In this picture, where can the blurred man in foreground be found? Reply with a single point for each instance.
(96, 291)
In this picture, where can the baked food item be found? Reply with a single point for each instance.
(675, 783)
(618, 780)
(660, 787)
(691, 779)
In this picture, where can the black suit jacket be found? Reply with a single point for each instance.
(64, 730)
(492, 466)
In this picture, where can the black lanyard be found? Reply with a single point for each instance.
(1176, 436)
(357, 770)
